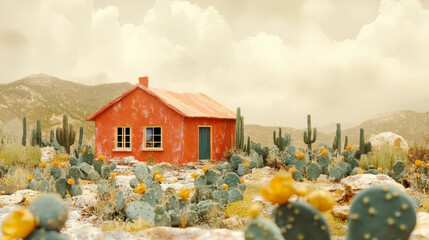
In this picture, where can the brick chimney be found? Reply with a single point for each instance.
(144, 81)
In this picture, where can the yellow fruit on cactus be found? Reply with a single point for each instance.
(205, 168)
(360, 172)
(112, 175)
(100, 157)
(325, 152)
(349, 147)
(224, 186)
(18, 224)
(321, 200)
(418, 163)
(427, 165)
(379, 169)
(242, 180)
(194, 175)
(83, 150)
(246, 164)
(322, 148)
(279, 190)
(55, 163)
(292, 170)
(417, 175)
(70, 181)
(43, 164)
(156, 172)
(184, 193)
(30, 178)
(254, 210)
(141, 188)
(159, 178)
(62, 165)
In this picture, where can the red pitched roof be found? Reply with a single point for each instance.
(186, 104)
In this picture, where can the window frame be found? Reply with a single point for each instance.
(123, 149)
(155, 149)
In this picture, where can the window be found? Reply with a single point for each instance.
(153, 138)
(123, 138)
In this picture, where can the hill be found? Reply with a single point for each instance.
(47, 98)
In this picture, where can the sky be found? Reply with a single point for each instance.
(279, 60)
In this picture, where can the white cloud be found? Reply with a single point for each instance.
(277, 70)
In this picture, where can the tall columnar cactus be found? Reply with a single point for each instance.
(39, 134)
(66, 135)
(346, 142)
(33, 137)
(239, 130)
(307, 134)
(364, 147)
(51, 137)
(248, 146)
(80, 135)
(339, 137)
(232, 142)
(24, 130)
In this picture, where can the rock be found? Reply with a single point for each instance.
(190, 233)
(323, 178)
(267, 207)
(393, 139)
(48, 153)
(341, 211)
(88, 197)
(234, 222)
(421, 231)
(130, 161)
(354, 184)
(18, 197)
(86, 232)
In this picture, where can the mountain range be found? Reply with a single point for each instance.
(47, 98)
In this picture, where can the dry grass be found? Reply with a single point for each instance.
(384, 158)
(14, 181)
(241, 208)
(335, 224)
(419, 150)
(18, 155)
(131, 227)
(61, 157)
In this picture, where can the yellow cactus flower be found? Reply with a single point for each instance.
(30, 178)
(279, 190)
(300, 155)
(322, 148)
(242, 180)
(417, 175)
(43, 164)
(184, 193)
(418, 163)
(194, 175)
(141, 188)
(427, 165)
(321, 200)
(325, 152)
(246, 164)
(333, 164)
(224, 186)
(70, 181)
(62, 164)
(205, 168)
(320, 154)
(379, 169)
(292, 170)
(254, 210)
(349, 147)
(112, 175)
(55, 163)
(159, 178)
(156, 172)
(83, 150)
(18, 224)
(100, 158)
(360, 172)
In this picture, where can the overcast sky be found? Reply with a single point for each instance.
(340, 60)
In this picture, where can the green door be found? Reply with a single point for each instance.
(204, 143)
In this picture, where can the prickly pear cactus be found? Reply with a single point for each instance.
(33, 185)
(161, 217)
(206, 207)
(139, 209)
(134, 182)
(149, 197)
(200, 182)
(45, 186)
(235, 161)
(234, 195)
(141, 172)
(221, 196)
(87, 156)
(38, 176)
(313, 172)
(300, 164)
(42, 234)
(61, 187)
(113, 166)
(297, 176)
(56, 172)
(232, 180)
(97, 165)
(242, 170)
(300, 220)
(262, 229)
(381, 212)
(157, 168)
(50, 211)
(85, 167)
(120, 202)
(211, 177)
(73, 161)
(94, 176)
(75, 190)
(75, 173)
(398, 170)
(105, 172)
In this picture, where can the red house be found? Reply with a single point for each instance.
(170, 127)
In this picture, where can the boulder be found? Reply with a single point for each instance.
(190, 233)
(341, 211)
(394, 140)
(421, 231)
(356, 183)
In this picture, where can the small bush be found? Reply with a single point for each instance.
(419, 150)
(18, 155)
(241, 208)
(384, 158)
(62, 157)
(15, 180)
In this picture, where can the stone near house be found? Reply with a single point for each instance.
(394, 140)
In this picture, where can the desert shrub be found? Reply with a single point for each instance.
(384, 158)
(18, 155)
(14, 180)
(241, 208)
(62, 157)
(419, 150)
(131, 227)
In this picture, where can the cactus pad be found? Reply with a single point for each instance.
(50, 212)
(139, 209)
(262, 229)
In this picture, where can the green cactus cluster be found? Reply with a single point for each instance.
(280, 141)
(307, 134)
(239, 130)
(364, 147)
(378, 212)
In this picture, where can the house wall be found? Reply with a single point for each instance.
(221, 132)
(139, 109)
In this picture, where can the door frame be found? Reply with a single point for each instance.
(211, 141)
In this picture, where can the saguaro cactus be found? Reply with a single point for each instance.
(51, 137)
(281, 142)
(339, 137)
(66, 135)
(24, 130)
(307, 134)
(239, 130)
(346, 142)
(33, 137)
(39, 134)
(80, 135)
(364, 147)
